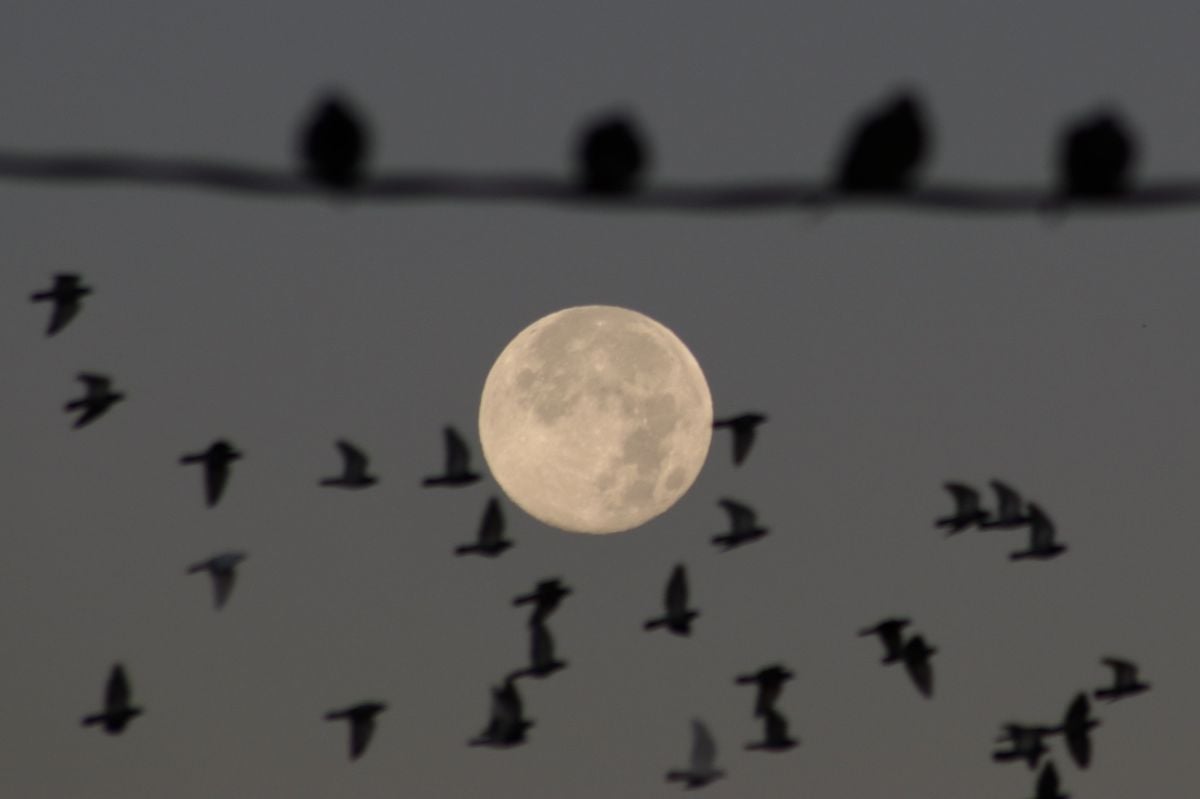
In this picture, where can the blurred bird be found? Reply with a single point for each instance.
(66, 294)
(916, 654)
(117, 710)
(775, 734)
(222, 570)
(745, 526)
(491, 541)
(701, 768)
(507, 725)
(354, 468)
(1041, 537)
(217, 460)
(458, 471)
(546, 596)
(362, 724)
(1025, 743)
(612, 156)
(678, 618)
(890, 632)
(333, 144)
(1009, 512)
(886, 148)
(1077, 729)
(743, 427)
(1125, 681)
(967, 512)
(1096, 156)
(97, 399)
(542, 662)
(1047, 784)
(770, 680)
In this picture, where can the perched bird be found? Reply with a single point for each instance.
(66, 294)
(542, 662)
(1077, 729)
(1009, 512)
(117, 710)
(701, 768)
(745, 526)
(1047, 784)
(97, 399)
(1025, 743)
(743, 427)
(507, 725)
(770, 680)
(491, 541)
(612, 156)
(775, 734)
(458, 471)
(1125, 681)
(333, 144)
(217, 460)
(362, 724)
(678, 618)
(1096, 155)
(890, 632)
(354, 469)
(886, 148)
(916, 654)
(222, 570)
(967, 511)
(1041, 537)
(546, 596)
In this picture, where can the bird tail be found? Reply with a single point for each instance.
(651, 624)
(467, 549)
(95, 718)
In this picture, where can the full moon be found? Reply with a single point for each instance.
(595, 419)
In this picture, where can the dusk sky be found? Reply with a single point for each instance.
(893, 349)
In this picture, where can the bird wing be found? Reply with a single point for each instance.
(677, 591)
(541, 646)
(1008, 501)
(743, 438)
(97, 385)
(776, 726)
(456, 453)
(65, 309)
(704, 748)
(355, 460)
(116, 694)
(1041, 529)
(1124, 671)
(966, 499)
(216, 473)
(740, 516)
(491, 529)
(916, 661)
(1047, 784)
(222, 580)
(362, 726)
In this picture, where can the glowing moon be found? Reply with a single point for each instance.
(595, 419)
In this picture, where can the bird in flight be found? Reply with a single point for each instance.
(362, 724)
(217, 460)
(886, 148)
(916, 654)
(491, 541)
(334, 144)
(507, 725)
(967, 510)
(354, 468)
(546, 596)
(701, 768)
(1047, 784)
(66, 295)
(1096, 156)
(117, 708)
(542, 662)
(745, 526)
(1009, 512)
(744, 427)
(1125, 681)
(1042, 545)
(678, 617)
(775, 734)
(222, 569)
(458, 468)
(612, 156)
(770, 680)
(97, 399)
(1077, 729)
(891, 634)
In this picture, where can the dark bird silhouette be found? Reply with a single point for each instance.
(1047, 784)
(701, 768)
(886, 148)
(491, 541)
(916, 655)
(770, 680)
(745, 526)
(890, 632)
(334, 144)
(217, 460)
(117, 708)
(222, 569)
(507, 724)
(97, 399)
(743, 427)
(66, 294)
(678, 617)
(458, 468)
(1026, 742)
(1125, 681)
(775, 734)
(1009, 508)
(362, 724)
(1077, 728)
(612, 156)
(542, 662)
(546, 596)
(1042, 545)
(1096, 157)
(354, 469)
(967, 511)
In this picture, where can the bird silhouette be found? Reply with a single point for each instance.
(1096, 156)
(334, 144)
(1077, 728)
(491, 541)
(546, 596)
(97, 399)
(1047, 784)
(967, 511)
(507, 725)
(770, 680)
(66, 294)
(890, 632)
(217, 460)
(775, 734)
(678, 618)
(743, 427)
(886, 148)
(117, 708)
(354, 468)
(542, 662)
(612, 156)
(745, 526)
(1125, 681)
(916, 654)
(1042, 545)
(1026, 742)
(701, 768)
(1009, 508)
(458, 471)
(362, 724)
(222, 569)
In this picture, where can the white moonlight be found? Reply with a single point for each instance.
(595, 419)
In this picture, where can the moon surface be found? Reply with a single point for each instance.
(595, 419)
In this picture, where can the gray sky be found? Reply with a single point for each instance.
(892, 350)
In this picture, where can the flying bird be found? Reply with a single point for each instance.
(745, 526)
(117, 708)
(362, 724)
(1047, 784)
(1096, 156)
(967, 511)
(916, 655)
(612, 156)
(354, 468)
(66, 295)
(1042, 545)
(217, 460)
(886, 148)
(770, 680)
(98, 398)
(701, 768)
(775, 734)
(542, 662)
(491, 541)
(1077, 729)
(1025, 743)
(333, 144)
(678, 618)
(890, 632)
(222, 569)
(1125, 681)
(546, 596)
(458, 471)
(1009, 511)
(507, 724)
(744, 427)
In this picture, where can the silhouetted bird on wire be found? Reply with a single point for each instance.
(66, 294)
(223, 570)
(542, 662)
(334, 144)
(546, 596)
(967, 511)
(745, 526)
(354, 468)
(1047, 784)
(362, 724)
(458, 468)
(1042, 545)
(1010, 510)
(1077, 728)
(491, 541)
(702, 767)
(770, 680)
(117, 708)
(886, 148)
(507, 725)
(916, 655)
(217, 460)
(1125, 681)
(744, 427)
(97, 399)
(612, 156)
(890, 632)
(1026, 742)
(678, 617)
(1096, 157)
(775, 734)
